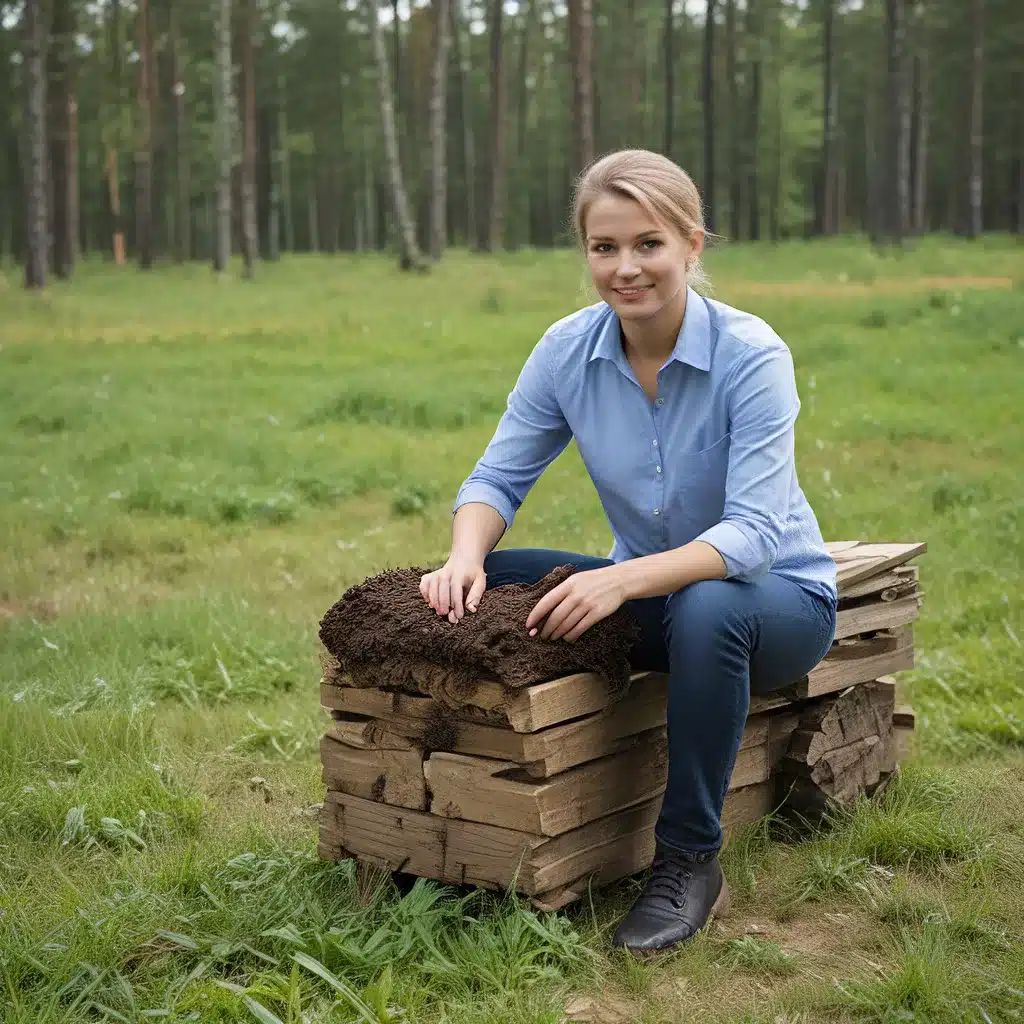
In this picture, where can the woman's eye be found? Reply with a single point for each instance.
(651, 243)
(602, 247)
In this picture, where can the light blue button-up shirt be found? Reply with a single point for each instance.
(710, 459)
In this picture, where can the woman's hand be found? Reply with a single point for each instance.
(444, 588)
(574, 606)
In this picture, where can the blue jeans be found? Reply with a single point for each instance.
(719, 641)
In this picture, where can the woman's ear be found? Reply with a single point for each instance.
(696, 243)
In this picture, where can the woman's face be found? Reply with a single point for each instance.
(638, 263)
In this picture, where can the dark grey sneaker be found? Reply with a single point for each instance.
(682, 895)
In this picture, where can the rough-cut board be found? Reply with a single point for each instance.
(903, 579)
(472, 853)
(500, 793)
(560, 747)
(391, 772)
(857, 562)
(857, 662)
(867, 618)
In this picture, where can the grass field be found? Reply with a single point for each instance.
(194, 470)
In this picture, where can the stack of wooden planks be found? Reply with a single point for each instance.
(558, 785)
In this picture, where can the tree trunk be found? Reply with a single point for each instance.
(975, 132)
(709, 115)
(183, 221)
(496, 198)
(897, 127)
(670, 78)
(634, 57)
(1019, 222)
(921, 125)
(735, 122)
(144, 149)
(775, 193)
(283, 173)
(63, 148)
(754, 28)
(438, 138)
(827, 217)
(223, 110)
(410, 253)
(270, 162)
(250, 241)
(34, 63)
(581, 47)
(111, 161)
(466, 118)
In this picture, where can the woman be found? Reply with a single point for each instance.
(683, 410)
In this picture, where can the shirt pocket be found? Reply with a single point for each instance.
(698, 498)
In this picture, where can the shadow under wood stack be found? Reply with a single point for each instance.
(558, 785)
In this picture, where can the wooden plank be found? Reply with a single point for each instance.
(480, 854)
(500, 793)
(879, 585)
(742, 807)
(387, 775)
(560, 700)
(401, 839)
(564, 746)
(836, 547)
(876, 615)
(747, 805)
(861, 663)
(870, 559)
(903, 716)
(387, 704)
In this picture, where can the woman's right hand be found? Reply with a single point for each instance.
(455, 588)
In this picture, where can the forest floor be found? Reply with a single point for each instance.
(194, 470)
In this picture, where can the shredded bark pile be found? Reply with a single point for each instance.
(383, 633)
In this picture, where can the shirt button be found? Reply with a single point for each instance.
(657, 469)
(660, 401)
(657, 511)
(655, 442)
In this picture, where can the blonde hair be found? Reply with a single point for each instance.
(660, 186)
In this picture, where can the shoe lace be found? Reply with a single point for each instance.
(670, 879)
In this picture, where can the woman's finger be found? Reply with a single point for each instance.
(569, 622)
(444, 592)
(558, 615)
(544, 606)
(581, 627)
(435, 583)
(476, 591)
(456, 602)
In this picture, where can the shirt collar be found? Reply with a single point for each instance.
(693, 344)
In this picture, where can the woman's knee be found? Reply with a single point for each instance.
(705, 612)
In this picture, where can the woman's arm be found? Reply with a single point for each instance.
(530, 434)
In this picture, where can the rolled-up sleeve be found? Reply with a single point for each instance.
(763, 407)
(530, 435)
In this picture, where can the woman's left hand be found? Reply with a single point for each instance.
(574, 606)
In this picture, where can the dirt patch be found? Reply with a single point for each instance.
(385, 622)
(607, 1008)
(889, 286)
(38, 608)
(818, 934)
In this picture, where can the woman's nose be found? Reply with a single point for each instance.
(628, 268)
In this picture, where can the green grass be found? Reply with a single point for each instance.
(193, 471)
